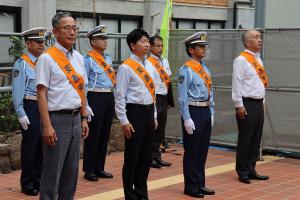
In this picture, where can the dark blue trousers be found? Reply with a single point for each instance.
(196, 148)
(31, 147)
(95, 145)
(138, 151)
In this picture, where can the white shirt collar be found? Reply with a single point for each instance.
(32, 57)
(133, 56)
(251, 52)
(156, 57)
(64, 50)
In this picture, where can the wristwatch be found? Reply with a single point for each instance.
(84, 117)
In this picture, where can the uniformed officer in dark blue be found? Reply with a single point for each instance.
(196, 104)
(25, 104)
(101, 80)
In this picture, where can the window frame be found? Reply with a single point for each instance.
(17, 16)
(194, 21)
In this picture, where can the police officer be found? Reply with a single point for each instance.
(25, 104)
(249, 80)
(135, 97)
(60, 79)
(101, 80)
(195, 96)
(162, 69)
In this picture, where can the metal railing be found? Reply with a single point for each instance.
(281, 58)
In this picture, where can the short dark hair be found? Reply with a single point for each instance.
(135, 36)
(58, 16)
(152, 39)
(188, 47)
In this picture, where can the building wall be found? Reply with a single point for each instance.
(199, 12)
(33, 12)
(282, 14)
(39, 12)
(119, 7)
(121, 16)
(204, 2)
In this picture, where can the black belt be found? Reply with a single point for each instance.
(66, 111)
(141, 106)
(252, 100)
(165, 96)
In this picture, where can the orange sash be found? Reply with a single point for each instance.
(102, 63)
(260, 70)
(198, 69)
(27, 59)
(64, 64)
(143, 74)
(161, 71)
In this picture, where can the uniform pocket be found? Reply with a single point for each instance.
(31, 83)
(197, 88)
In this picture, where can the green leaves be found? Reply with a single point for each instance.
(17, 47)
(8, 118)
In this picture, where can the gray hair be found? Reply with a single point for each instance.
(58, 16)
(246, 35)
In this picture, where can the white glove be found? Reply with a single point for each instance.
(90, 113)
(189, 126)
(24, 121)
(212, 120)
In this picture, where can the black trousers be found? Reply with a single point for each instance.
(138, 151)
(159, 136)
(250, 133)
(95, 145)
(196, 148)
(31, 147)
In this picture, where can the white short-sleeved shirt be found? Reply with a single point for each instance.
(61, 94)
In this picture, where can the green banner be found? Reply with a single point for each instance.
(165, 26)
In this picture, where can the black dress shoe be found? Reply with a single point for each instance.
(162, 162)
(30, 190)
(244, 179)
(256, 176)
(155, 164)
(167, 146)
(194, 194)
(207, 191)
(104, 174)
(90, 177)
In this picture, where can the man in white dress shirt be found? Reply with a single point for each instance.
(60, 79)
(162, 69)
(249, 81)
(134, 105)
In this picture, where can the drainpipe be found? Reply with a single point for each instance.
(235, 10)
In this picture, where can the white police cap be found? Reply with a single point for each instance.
(37, 33)
(197, 38)
(100, 30)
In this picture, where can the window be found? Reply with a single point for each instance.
(117, 47)
(197, 24)
(126, 27)
(216, 25)
(84, 24)
(201, 25)
(185, 25)
(112, 27)
(10, 22)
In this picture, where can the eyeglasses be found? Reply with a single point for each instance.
(69, 28)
